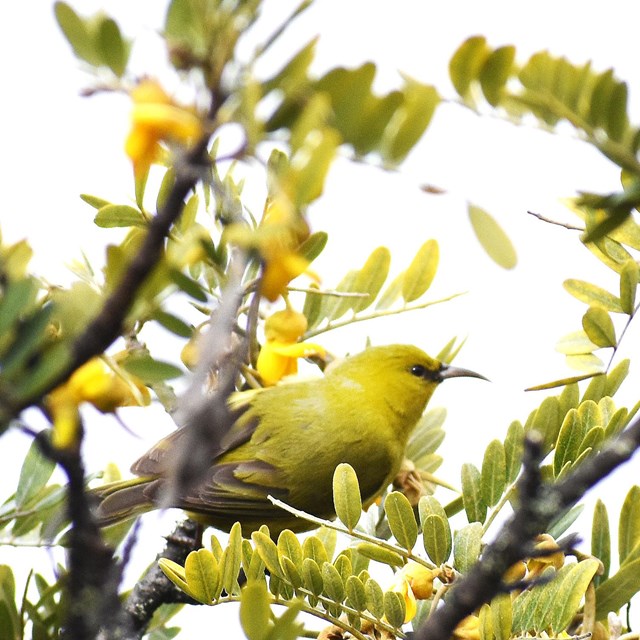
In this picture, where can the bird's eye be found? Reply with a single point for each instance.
(418, 370)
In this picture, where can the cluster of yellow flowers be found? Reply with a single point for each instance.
(97, 384)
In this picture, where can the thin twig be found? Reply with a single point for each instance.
(565, 225)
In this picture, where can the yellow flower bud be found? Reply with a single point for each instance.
(279, 354)
(156, 118)
(555, 558)
(468, 629)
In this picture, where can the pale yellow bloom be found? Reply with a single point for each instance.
(277, 240)
(96, 383)
(279, 354)
(414, 582)
(156, 118)
(468, 629)
(283, 231)
(554, 559)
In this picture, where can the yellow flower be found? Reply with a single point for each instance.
(555, 558)
(157, 118)
(279, 355)
(96, 383)
(468, 629)
(414, 582)
(283, 230)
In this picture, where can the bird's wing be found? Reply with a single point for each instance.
(155, 462)
(239, 491)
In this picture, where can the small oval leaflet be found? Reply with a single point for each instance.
(492, 238)
(402, 521)
(598, 326)
(421, 272)
(346, 495)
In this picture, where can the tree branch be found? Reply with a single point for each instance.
(539, 504)
(155, 589)
(108, 324)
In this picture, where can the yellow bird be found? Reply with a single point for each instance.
(288, 440)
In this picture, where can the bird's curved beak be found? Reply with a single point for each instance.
(447, 371)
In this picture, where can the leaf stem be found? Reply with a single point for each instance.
(383, 544)
(330, 326)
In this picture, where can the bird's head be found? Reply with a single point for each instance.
(402, 376)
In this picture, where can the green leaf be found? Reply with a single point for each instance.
(547, 421)
(332, 581)
(375, 598)
(255, 612)
(466, 63)
(294, 73)
(401, 520)
(314, 548)
(112, 47)
(513, 447)
(394, 608)
(289, 547)
(172, 323)
(346, 495)
(592, 295)
(371, 277)
(201, 572)
(94, 201)
(231, 560)
(492, 238)
(474, 505)
(427, 435)
(268, 551)
(436, 533)
(502, 615)
(410, 120)
(119, 215)
(563, 521)
(34, 475)
(356, 594)
(575, 343)
(190, 286)
(616, 377)
(18, 297)
(628, 286)
(485, 623)
(587, 362)
(77, 33)
(570, 437)
(596, 389)
(494, 473)
(313, 246)
(601, 539)
(421, 272)
(598, 326)
(391, 293)
(343, 564)
(629, 525)
(572, 588)
(618, 590)
(319, 152)
(601, 99)
(467, 543)
(495, 72)
(9, 615)
(334, 307)
(380, 554)
(150, 370)
(312, 576)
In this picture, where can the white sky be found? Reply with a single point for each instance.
(57, 145)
